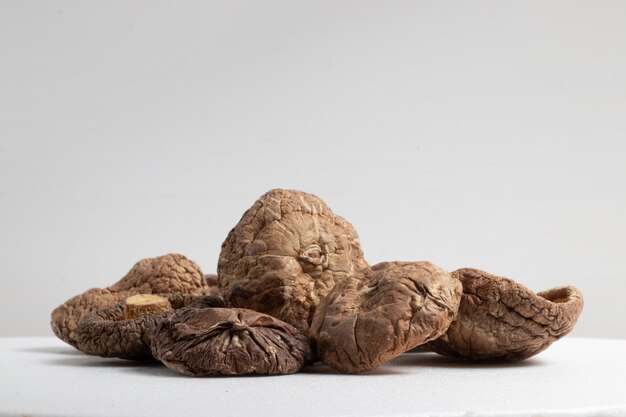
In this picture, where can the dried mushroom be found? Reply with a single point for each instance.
(501, 319)
(291, 268)
(221, 341)
(125, 330)
(285, 254)
(172, 273)
(211, 282)
(392, 307)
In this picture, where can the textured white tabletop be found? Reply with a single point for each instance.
(575, 377)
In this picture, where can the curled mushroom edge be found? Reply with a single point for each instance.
(500, 319)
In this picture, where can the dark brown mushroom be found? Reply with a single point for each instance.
(125, 330)
(172, 273)
(285, 254)
(228, 341)
(370, 318)
(211, 282)
(501, 319)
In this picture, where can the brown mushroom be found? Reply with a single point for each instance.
(285, 254)
(211, 282)
(125, 330)
(172, 273)
(370, 318)
(228, 341)
(501, 319)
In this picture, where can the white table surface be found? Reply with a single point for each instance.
(575, 377)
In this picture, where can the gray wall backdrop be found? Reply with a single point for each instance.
(488, 134)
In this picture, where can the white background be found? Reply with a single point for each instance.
(488, 134)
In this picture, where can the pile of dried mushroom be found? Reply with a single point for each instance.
(293, 287)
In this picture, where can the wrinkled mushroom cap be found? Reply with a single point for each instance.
(501, 319)
(393, 307)
(172, 273)
(228, 341)
(123, 332)
(285, 254)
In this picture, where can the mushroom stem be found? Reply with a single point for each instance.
(145, 304)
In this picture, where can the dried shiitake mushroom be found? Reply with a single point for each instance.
(392, 307)
(211, 282)
(501, 319)
(228, 341)
(172, 273)
(125, 330)
(285, 254)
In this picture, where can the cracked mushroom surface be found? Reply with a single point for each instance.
(229, 341)
(125, 330)
(285, 254)
(392, 307)
(172, 273)
(501, 319)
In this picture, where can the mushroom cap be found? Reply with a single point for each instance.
(211, 282)
(113, 332)
(501, 319)
(228, 341)
(285, 254)
(172, 273)
(392, 307)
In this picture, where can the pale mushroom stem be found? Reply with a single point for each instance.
(145, 304)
